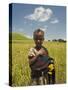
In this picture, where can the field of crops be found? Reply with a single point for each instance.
(20, 66)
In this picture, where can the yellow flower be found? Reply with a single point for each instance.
(51, 67)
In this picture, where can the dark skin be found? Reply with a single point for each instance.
(38, 42)
(38, 39)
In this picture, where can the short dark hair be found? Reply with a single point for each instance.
(37, 31)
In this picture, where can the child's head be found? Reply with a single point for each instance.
(38, 37)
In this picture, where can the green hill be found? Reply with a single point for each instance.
(17, 36)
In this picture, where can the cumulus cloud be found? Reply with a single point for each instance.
(28, 36)
(54, 21)
(40, 14)
(44, 29)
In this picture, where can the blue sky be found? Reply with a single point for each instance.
(28, 17)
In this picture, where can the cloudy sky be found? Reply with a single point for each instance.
(52, 19)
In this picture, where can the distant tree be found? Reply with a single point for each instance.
(58, 40)
(61, 40)
(49, 40)
(54, 40)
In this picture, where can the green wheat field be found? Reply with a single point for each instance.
(20, 66)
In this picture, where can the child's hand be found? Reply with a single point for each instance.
(32, 52)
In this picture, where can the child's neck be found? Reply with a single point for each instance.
(38, 48)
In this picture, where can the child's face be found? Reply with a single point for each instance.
(39, 37)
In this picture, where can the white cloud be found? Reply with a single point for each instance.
(55, 21)
(40, 14)
(30, 37)
(43, 29)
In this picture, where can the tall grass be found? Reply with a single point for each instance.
(20, 66)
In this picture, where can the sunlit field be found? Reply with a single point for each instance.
(20, 65)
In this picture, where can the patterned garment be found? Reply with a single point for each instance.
(42, 61)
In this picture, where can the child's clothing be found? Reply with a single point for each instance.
(42, 66)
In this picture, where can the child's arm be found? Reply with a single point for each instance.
(32, 56)
(32, 59)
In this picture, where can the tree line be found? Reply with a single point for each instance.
(58, 40)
